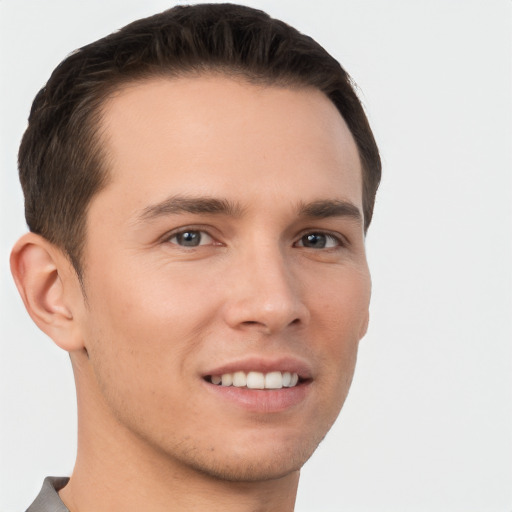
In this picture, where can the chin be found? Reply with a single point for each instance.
(248, 471)
(255, 463)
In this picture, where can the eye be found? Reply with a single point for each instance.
(319, 241)
(190, 238)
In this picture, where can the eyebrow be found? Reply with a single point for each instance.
(173, 205)
(200, 205)
(330, 208)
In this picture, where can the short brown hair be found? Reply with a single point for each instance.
(60, 159)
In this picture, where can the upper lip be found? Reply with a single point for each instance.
(289, 364)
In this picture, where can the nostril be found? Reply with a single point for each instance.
(296, 321)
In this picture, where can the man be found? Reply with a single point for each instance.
(198, 186)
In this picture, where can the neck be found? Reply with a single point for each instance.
(116, 470)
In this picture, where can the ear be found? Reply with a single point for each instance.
(48, 286)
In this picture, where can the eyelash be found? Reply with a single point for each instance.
(339, 241)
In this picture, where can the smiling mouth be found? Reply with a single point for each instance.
(256, 380)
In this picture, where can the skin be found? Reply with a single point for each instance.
(157, 316)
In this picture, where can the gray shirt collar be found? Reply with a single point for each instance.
(48, 499)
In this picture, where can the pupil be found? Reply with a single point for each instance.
(314, 240)
(189, 238)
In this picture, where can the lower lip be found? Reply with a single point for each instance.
(262, 401)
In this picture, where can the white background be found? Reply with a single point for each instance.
(428, 423)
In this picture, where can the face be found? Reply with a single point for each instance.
(225, 255)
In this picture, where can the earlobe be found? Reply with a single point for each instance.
(41, 272)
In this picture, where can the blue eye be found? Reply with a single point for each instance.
(319, 241)
(191, 238)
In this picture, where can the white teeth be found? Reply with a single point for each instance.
(239, 379)
(274, 380)
(227, 379)
(257, 380)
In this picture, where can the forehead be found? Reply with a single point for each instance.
(214, 135)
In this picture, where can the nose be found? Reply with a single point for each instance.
(263, 294)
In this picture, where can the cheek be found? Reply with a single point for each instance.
(143, 330)
(341, 305)
(340, 318)
(148, 307)
(144, 336)
(139, 345)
